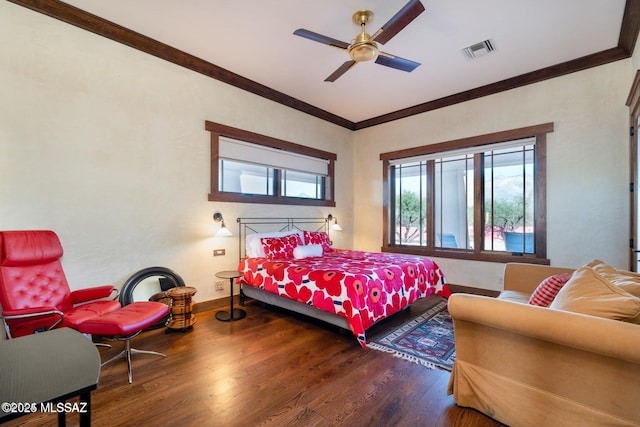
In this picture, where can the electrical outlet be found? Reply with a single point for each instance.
(219, 286)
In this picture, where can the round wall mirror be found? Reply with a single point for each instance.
(144, 284)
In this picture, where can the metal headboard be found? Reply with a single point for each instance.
(263, 225)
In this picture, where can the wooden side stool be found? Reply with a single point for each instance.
(181, 309)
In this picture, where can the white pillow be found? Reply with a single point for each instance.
(253, 246)
(306, 251)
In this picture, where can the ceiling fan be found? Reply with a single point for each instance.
(365, 47)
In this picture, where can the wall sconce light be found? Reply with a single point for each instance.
(223, 231)
(335, 226)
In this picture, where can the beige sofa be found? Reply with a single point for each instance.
(525, 365)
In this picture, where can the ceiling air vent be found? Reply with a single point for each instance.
(479, 49)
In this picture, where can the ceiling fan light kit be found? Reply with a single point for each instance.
(363, 52)
(364, 47)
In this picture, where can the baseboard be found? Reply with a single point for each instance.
(214, 304)
(470, 290)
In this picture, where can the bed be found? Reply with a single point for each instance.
(290, 263)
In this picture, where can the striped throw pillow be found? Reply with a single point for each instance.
(548, 289)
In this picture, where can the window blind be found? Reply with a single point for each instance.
(233, 149)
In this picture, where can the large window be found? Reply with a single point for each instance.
(251, 168)
(478, 198)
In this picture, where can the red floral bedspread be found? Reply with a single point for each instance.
(362, 287)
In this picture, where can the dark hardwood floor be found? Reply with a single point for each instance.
(271, 368)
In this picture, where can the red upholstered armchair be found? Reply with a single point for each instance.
(34, 292)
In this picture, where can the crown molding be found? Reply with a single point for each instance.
(89, 22)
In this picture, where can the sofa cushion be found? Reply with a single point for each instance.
(627, 280)
(514, 296)
(548, 289)
(588, 292)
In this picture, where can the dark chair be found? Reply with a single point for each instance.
(34, 292)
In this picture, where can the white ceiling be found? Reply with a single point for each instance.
(254, 38)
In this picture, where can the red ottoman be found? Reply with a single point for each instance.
(124, 324)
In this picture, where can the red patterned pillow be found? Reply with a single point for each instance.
(280, 247)
(548, 289)
(318, 238)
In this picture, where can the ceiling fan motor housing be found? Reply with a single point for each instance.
(362, 49)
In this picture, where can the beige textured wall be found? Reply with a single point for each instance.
(106, 145)
(587, 164)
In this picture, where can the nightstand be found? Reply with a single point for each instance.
(233, 313)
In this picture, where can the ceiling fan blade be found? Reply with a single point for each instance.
(320, 38)
(340, 71)
(396, 62)
(408, 13)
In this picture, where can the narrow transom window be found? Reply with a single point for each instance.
(251, 168)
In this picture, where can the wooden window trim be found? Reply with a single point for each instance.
(540, 257)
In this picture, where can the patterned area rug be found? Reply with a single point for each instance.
(427, 339)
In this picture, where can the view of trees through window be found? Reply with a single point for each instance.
(507, 212)
(509, 200)
(411, 217)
